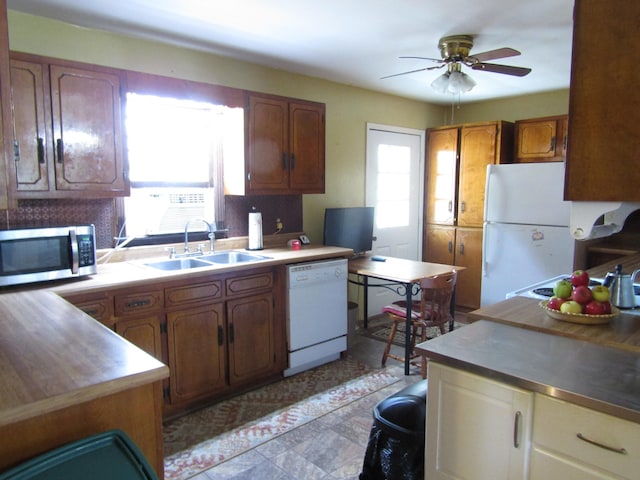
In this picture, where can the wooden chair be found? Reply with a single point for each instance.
(432, 310)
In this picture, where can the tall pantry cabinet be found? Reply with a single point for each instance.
(457, 159)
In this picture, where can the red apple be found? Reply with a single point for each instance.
(594, 308)
(606, 307)
(580, 277)
(581, 294)
(555, 303)
(571, 306)
(601, 293)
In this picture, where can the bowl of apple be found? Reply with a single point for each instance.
(574, 301)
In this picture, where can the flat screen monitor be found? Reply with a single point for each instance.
(350, 227)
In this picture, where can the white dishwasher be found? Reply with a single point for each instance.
(316, 313)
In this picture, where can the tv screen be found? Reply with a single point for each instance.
(350, 227)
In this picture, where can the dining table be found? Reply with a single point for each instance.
(400, 275)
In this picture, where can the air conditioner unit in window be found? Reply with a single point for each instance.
(158, 211)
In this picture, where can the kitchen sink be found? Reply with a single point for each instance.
(178, 264)
(232, 257)
(210, 260)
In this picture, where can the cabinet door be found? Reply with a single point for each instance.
(536, 140)
(268, 156)
(602, 154)
(306, 154)
(251, 337)
(143, 332)
(33, 148)
(196, 340)
(468, 254)
(476, 427)
(440, 191)
(439, 244)
(477, 150)
(87, 130)
(6, 130)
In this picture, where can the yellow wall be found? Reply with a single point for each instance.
(348, 108)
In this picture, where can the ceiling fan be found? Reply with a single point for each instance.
(454, 51)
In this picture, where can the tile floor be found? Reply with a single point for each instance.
(329, 448)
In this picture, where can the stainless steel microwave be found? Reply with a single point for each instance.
(41, 254)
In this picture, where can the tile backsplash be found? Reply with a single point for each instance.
(102, 213)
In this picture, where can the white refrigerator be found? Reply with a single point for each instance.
(526, 235)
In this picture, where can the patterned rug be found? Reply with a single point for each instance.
(381, 332)
(205, 438)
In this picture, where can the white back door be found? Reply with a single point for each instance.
(394, 186)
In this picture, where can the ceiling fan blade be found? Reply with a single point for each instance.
(506, 69)
(494, 54)
(411, 71)
(439, 60)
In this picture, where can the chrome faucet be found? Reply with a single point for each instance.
(186, 235)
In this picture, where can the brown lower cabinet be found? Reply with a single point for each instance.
(461, 246)
(218, 334)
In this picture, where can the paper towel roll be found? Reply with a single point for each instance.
(255, 231)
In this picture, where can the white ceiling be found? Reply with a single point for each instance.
(354, 42)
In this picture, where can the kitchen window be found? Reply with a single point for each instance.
(176, 150)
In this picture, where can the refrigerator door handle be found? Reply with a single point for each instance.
(484, 251)
(490, 169)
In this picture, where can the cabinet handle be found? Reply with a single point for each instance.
(40, 150)
(516, 429)
(293, 161)
(622, 451)
(220, 335)
(450, 206)
(564, 143)
(553, 144)
(138, 303)
(450, 246)
(463, 206)
(284, 161)
(461, 248)
(60, 150)
(231, 333)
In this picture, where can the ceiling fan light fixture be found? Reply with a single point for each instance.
(453, 81)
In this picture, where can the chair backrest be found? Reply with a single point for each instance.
(435, 300)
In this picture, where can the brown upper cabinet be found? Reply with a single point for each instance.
(285, 148)
(541, 139)
(6, 130)
(68, 130)
(602, 153)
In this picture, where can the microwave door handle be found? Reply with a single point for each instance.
(75, 260)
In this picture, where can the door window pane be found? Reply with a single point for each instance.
(394, 183)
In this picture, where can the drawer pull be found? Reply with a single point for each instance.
(621, 451)
(138, 303)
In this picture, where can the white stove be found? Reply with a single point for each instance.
(544, 290)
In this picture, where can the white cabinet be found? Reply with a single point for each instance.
(477, 428)
(574, 443)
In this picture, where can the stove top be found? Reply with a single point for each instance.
(544, 290)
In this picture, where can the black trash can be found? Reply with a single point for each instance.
(395, 450)
(396, 444)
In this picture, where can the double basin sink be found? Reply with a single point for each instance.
(221, 258)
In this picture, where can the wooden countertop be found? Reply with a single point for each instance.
(132, 273)
(53, 356)
(622, 332)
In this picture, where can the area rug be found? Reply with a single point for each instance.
(206, 438)
(381, 332)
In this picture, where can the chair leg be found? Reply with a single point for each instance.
(423, 363)
(387, 348)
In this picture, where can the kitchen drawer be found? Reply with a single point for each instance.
(96, 305)
(556, 427)
(249, 284)
(138, 302)
(196, 292)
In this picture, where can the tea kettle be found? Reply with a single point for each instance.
(621, 287)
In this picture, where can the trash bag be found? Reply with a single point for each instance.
(395, 450)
